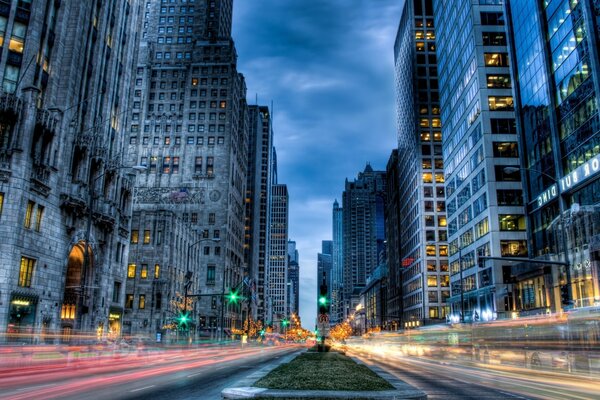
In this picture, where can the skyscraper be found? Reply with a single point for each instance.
(277, 270)
(64, 194)
(422, 215)
(258, 195)
(324, 270)
(393, 232)
(189, 126)
(293, 278)
(481, 157)
(363, 231)
(337, 270)
(556, 67)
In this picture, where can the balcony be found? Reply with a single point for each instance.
(40, 179)
(105, 215)
(75, 199)
(9, 103)
(45, 119)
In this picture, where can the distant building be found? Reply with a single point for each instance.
(555, 63)
(64, 83)
(258, 196)
(337, 270)
(393, 229)
(189, 126)
(423, 237)
(324, 271)
(278, 256)
(481, 157)
(363, 232)
(293, 278)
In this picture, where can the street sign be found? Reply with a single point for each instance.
(323, 318)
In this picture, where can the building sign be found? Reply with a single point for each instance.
(576, 177)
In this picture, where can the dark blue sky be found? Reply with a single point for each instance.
(327, 66)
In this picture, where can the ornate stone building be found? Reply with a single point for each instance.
(64, 79)
(189, 126)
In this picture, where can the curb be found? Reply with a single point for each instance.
(245, 390)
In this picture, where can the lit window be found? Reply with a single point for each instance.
(146, 237)
(129, 301)
(430, 250)
(3, 22)
(501, 103)
(156, 271)
(38, 218)
(26, 271)
(432, 281)
(1, 202)
(144, 271)
(511, 222)
(134, 236)
(142, 303)
(29, 214)
(17, 39)
(131, 271)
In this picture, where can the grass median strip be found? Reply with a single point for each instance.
(323, 371)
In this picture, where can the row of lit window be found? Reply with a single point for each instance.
(199, 140)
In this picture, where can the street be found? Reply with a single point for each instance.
(454, 380)
(183, 374)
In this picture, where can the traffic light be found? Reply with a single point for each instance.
(182, 320)
(285, 322)
(233, 297)
(323, 301)
(564, 295)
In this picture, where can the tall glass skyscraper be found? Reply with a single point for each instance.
(554, 45)
(481, 157)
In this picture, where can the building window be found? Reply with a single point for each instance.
(507, 173)
(496, 59)
(503, 126)
(1, 202)
(142, 302)
(26, 271)
(501, 103)
(134, 236)
(146, 236)
(38, 218)
(494, 38)
(17, 39)
(511, 222)
(495, 81)
(432, 281)
(492, 18)
(210, 275)
(29, 214)
(129, 301)
(144, 271)
(131, 271)
(506, 149)
(509, 197)
(513, 248)
(116, 292)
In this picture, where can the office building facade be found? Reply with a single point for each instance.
(481, 158)
(337, 270)
(393, 231)
(556, 67)
(423, 240)
(293, 278)
(277, 274)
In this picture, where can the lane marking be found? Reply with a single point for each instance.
(197, 373)
(146, 387)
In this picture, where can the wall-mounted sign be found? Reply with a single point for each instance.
(576, 177)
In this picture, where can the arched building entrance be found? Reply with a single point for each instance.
(74, 305)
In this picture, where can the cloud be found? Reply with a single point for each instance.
(327, 65)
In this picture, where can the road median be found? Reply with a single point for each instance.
(332, 375)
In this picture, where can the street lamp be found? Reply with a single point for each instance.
(86, 249)
(562, 209)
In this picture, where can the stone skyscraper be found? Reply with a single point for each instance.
(481, 157)
(258, 195)
(422, 214)
(65, 80)
(189, 126)
(363, 231)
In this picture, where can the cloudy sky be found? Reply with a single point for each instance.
(327, 66)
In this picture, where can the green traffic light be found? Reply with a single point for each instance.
(183, 319)
(233, 297)
(285, 322)
(323, 300)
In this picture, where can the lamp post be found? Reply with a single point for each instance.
(562, 209)
(86, 255)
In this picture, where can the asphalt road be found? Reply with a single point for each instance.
(448, 381)
(188, 374)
